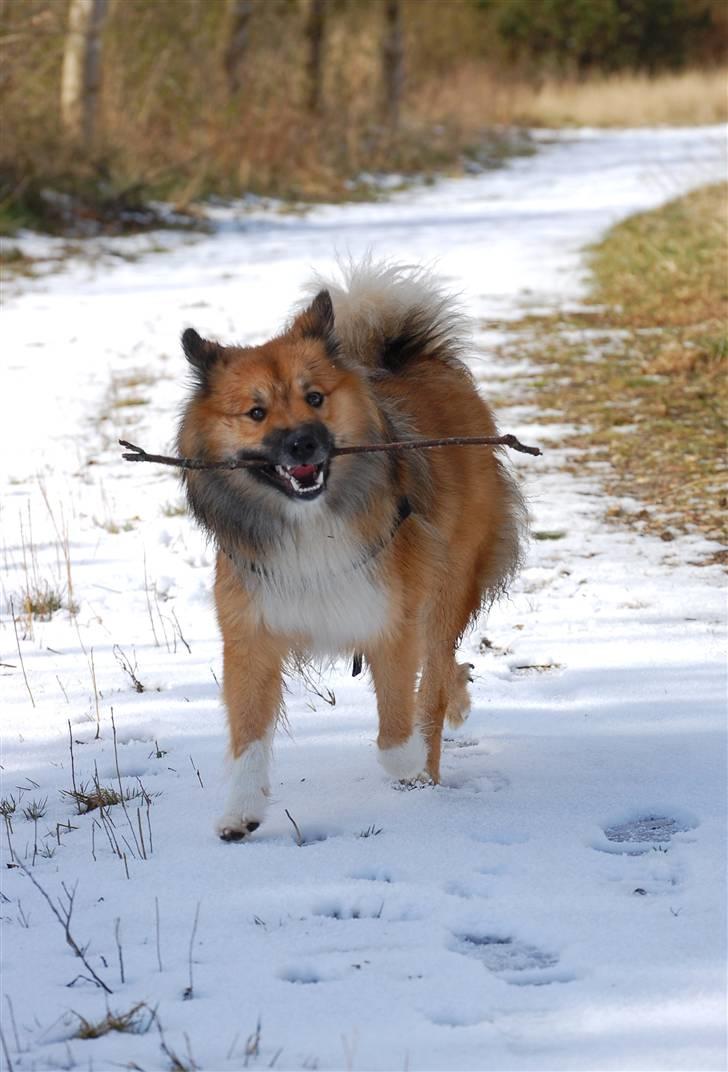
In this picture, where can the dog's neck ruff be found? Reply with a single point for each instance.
(265, 573)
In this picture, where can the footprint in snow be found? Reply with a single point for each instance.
(373, 906)
(512, 960)
(459, 742)
(326, 968)
(476, 888)
(307, 973)
(341, 910)
(473, 781)
(637, 836)
(374, 874)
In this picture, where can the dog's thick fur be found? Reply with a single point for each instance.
(389, 556)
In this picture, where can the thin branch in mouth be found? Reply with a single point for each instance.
(245, 460)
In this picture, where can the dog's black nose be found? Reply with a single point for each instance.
(307, 443)
(302, 446)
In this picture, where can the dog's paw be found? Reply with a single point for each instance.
(421, 781)
(235, 827)
(248, 797)
(406, 762)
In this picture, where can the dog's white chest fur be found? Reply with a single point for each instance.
(321, 584)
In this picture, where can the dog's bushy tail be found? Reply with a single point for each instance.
(386, 315)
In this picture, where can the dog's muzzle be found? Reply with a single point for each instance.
(300, 460)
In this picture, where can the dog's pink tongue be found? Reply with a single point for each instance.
(303, 472)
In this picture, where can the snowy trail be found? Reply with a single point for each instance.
(522, 915)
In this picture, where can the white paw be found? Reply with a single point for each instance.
(248, 797)
(235, 827)
(406, 762)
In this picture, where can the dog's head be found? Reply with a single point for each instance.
(290, 400)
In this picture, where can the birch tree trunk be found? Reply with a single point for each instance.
(235, 34)
(315, 25)
(81, 75)
(393, 62)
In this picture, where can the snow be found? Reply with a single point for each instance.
(559, 901)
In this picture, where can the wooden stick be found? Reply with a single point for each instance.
(245, 461)
(449, 441)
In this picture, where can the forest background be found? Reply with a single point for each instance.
(110, 104)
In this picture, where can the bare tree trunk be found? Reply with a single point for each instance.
(315, 25)
(81, 74)
(393, 61)
(235, 41)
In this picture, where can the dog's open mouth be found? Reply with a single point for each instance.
(298, 481)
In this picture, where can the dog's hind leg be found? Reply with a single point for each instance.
(443, 692)
(443, 695)
(394, 663)
(432, 701)
(458, 696)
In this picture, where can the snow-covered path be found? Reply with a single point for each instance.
(523, 915)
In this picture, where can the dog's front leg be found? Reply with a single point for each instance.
(252, 690)
(394, 663)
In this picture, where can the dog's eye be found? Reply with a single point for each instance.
(257, 413)
(314, 398)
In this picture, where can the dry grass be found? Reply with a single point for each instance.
(636, 100)
(136, 1021)
(644, 374)
(41, 600)
(91, 797)
(476, 94)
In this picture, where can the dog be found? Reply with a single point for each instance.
(386, 557)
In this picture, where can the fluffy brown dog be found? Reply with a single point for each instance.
(388, 557)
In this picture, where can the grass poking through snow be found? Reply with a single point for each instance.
(90, 797)
(41, 601)
(136, 1021)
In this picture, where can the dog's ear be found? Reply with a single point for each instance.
(201, 353)
(317, 321)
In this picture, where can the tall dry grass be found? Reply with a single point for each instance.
(477, 94)
(687, 98)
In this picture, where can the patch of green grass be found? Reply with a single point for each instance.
(642, 371)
